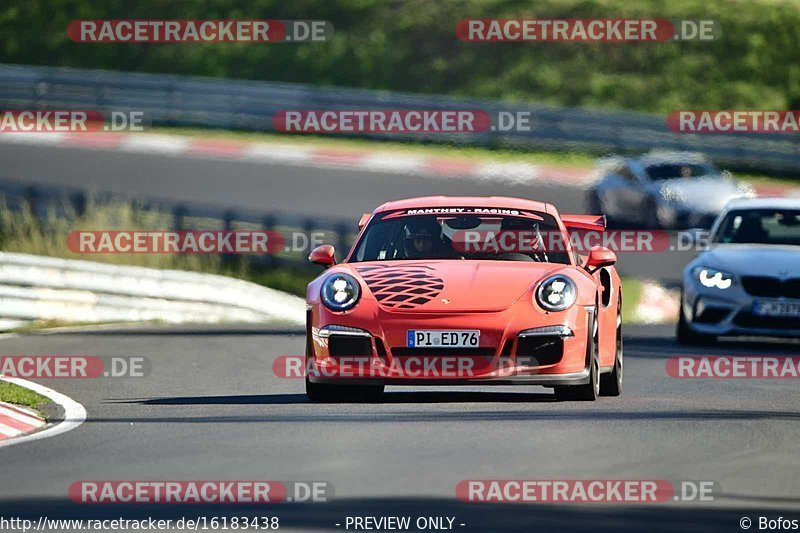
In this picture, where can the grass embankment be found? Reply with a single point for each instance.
(23, 232)
(413, 46)
(17, 395)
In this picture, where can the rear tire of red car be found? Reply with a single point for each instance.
(587, 392)
(611, 384)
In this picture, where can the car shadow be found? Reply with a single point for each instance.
(389, 397)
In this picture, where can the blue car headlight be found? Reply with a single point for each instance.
(711, 277)
(340, 292)
(556, 293)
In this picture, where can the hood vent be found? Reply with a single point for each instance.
(402, 287)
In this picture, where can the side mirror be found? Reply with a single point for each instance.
(323, 255)
(599, 257)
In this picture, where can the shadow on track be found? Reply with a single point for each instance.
(388, 398)
(666, 347)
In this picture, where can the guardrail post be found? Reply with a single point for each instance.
(179, 212)
(227, 223)
(269, 260)
(342, 242)
(32, 199)
(308, 228)
(78, 201)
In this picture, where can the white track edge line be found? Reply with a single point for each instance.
(74, 413)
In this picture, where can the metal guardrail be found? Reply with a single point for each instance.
(171, 100)
(46, 288)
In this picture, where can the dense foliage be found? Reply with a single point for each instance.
(411, 46)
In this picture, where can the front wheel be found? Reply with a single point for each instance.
(611, 384)
(685, 334)
(327, 393)
(587, 392)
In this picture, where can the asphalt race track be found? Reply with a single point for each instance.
(212, 409)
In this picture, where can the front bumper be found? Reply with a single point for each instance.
(729, 312)
(513, 349)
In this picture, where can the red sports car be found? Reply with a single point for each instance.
(465, 291)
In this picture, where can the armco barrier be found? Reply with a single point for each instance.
(46, 288)
(171, 100)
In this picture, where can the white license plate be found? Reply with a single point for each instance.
(437, 338)
(773, 308)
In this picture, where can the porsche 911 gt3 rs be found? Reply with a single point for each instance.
(413, 304)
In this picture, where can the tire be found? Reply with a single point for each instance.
(651, 216)
(328, 393)
(686, 335)
(593, 204)
(587, 392)
(611, 384)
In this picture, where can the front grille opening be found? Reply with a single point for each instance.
(539, 351)
(507, 347)
(342, 346)
(712, 315)
(771, 287)
(746, 319)
(380, 348)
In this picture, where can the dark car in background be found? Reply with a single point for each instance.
(662, 190)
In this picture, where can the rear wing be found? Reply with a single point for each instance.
(590, 222)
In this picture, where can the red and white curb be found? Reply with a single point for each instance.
(491, 171)
(656, 305)
(18, 425)
(16, 420)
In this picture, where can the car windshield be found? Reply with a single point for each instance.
(667, 171)
(397, 236)
(761, 226)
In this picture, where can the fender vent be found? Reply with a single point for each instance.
(403, 287)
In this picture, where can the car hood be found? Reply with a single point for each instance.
(753, 259)
(450, 286)
(707, 195)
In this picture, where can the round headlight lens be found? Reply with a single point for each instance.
(556, 293)
(340, 292)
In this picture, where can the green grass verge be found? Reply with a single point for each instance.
(17, 395)
(631, 294)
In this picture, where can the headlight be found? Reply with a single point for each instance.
(556, 293)
(340, 292)
(709, 277)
